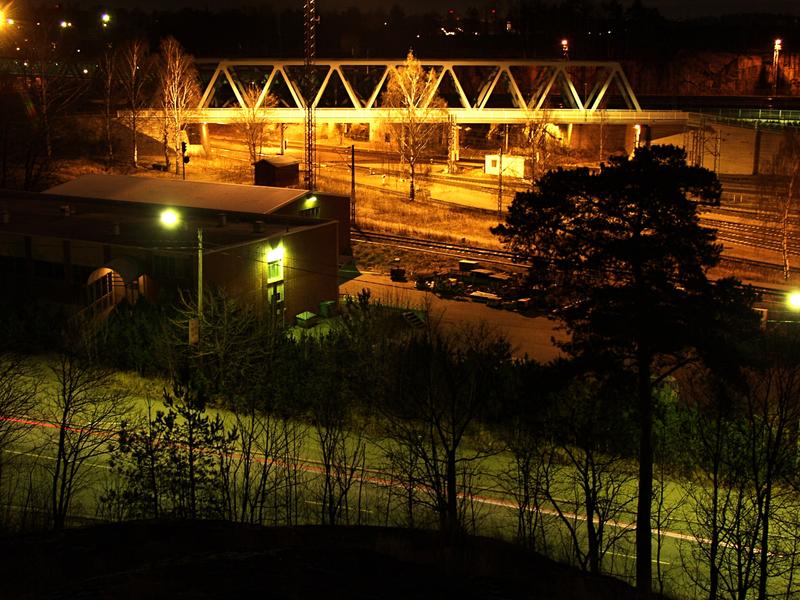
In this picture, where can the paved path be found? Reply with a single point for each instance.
(528, 336)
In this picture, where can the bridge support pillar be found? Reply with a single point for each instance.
(375, 131)
(204, 140)
(453, 144)
(756, 150)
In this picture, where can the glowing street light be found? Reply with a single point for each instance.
(169, 218)
(793, 300)
(565, 48)
(776, 54)
(105, 19)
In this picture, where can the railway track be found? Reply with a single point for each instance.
(461, 251)
(502, 258)
(754, 236)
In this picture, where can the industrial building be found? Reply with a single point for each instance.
(91, 250)
(228, 198)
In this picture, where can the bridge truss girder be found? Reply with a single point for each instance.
(530, 86)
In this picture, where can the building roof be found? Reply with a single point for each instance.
(226, 197)
(133, 226)
(279, 161)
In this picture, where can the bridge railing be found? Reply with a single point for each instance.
(759, 114)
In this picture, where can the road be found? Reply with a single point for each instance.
(529, 336)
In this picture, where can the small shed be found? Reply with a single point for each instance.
(277, 171)
(513, 166)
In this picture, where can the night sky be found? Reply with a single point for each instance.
(669, 8)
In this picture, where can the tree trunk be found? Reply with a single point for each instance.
(192, 483)
(452, 494)
(166, 148)
(785, 222)
(412, 193)
(644, 570)
(764, 556)
(591, 530)
(134, 125)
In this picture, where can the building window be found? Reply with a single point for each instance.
(310, 212)
(274, 270)
(275, 300)
(100, 293)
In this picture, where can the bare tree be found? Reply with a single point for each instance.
(537, 142)
(87, 408)
(252, 123)
(51, 86)
(18, 388)
(525, 482)
(133, 71)
(108, 72)
(416, 109)
(787, 169)
(586, 477)
(180, 92)
(443, 386)
(772, 414)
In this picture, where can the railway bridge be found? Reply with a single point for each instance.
(475, 91)
(582, 94)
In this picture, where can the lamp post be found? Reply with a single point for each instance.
(776, 54)
(565, 48)
(170, 219)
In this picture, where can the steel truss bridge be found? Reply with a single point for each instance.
(475, 91)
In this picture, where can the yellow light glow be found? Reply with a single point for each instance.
(793, 300)
(275, 254)
(169, 218)
(105, 17)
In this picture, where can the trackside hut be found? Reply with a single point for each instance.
(92, 254)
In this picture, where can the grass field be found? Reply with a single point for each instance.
(373, 500)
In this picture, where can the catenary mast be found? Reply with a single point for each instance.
(310, 20)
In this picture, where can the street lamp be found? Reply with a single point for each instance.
(565, 48)
(793, 300)
(776, 54)
(171, 219)
(105, 19)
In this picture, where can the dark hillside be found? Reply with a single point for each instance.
(223, 560)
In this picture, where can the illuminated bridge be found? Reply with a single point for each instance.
(476, 91)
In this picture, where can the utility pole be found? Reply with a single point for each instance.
(352, 184)
(500, 186)
(199, 274)
(310, 19)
